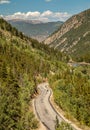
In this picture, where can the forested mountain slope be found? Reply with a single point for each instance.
(23, 64)
(73, 37)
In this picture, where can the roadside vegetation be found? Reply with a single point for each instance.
(71, 89)
(64, 126)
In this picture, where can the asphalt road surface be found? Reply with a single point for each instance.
(44, 109)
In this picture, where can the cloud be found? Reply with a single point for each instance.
(48, 0)
(47, 13)
(45, 16)
(33, 14)
(4, 1)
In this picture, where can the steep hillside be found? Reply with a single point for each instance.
(23, 63)
(35, 29)
(73, 37)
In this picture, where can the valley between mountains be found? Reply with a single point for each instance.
(63, 60)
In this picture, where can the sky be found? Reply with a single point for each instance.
(43, 10)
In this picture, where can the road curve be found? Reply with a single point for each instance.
(44, 109)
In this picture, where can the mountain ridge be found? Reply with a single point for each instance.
(72, 35)
(27, 21)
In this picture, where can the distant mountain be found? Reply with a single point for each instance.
(34, 28)
(26, 21)
(73, 37)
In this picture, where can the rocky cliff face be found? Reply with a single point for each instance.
(73, 35)
(71, 23)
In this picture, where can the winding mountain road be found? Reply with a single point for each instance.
(44, 109)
